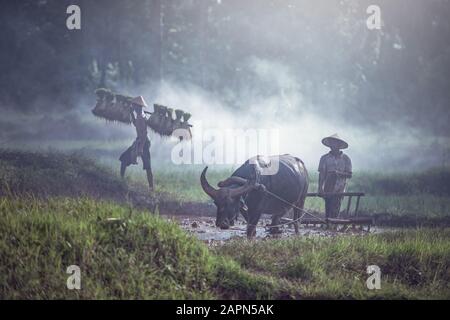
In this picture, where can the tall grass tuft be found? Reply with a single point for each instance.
(138, 256)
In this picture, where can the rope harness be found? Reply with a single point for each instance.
(263, 188)
(304, 212)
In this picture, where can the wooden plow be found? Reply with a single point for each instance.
(347, 218)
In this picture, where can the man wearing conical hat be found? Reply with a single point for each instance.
(141, 146)
(335, 168)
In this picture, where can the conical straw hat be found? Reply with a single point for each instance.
(335, 140)
(140, 101)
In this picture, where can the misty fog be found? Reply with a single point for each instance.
(305, 68)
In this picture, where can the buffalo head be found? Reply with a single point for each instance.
(227, 197)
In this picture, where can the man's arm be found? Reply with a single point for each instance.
(347, 173)
(321, 181)
(322, 171)
(348, 167)
(133, 118)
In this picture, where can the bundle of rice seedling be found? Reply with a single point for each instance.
(157, 118)
(163, 123)
(112, 107)
(181, 122)
(117, 107)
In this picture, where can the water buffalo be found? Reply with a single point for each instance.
(245, 192)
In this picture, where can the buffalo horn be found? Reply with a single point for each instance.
(237, 192)
(232, 180)
(209, 190)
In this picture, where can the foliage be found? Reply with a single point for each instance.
(413, 263)
(55, 173)
(417, 200)
(141, 256)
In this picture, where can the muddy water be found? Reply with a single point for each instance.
(202, 223)
(203, 227)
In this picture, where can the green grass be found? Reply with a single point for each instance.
(180, 183)
(55, 173)
(50, 220)
(435, 181)
(414, 264)
(423, 208)
(143, 256)
(423, 195)
(404, 207)
(409, 199)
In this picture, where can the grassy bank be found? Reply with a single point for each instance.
(54, 173)
(143, 256)
(73, 174)
(140, 256)
(401, 199)
(414, 264)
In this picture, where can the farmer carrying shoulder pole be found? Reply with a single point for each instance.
(141, 146)
(335, 168)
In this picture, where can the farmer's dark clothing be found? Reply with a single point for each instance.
(139, 148)
(336, 168)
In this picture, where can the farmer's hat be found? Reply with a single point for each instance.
(335, 140)
(139, 101)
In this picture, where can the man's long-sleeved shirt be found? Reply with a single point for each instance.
(328, 166)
